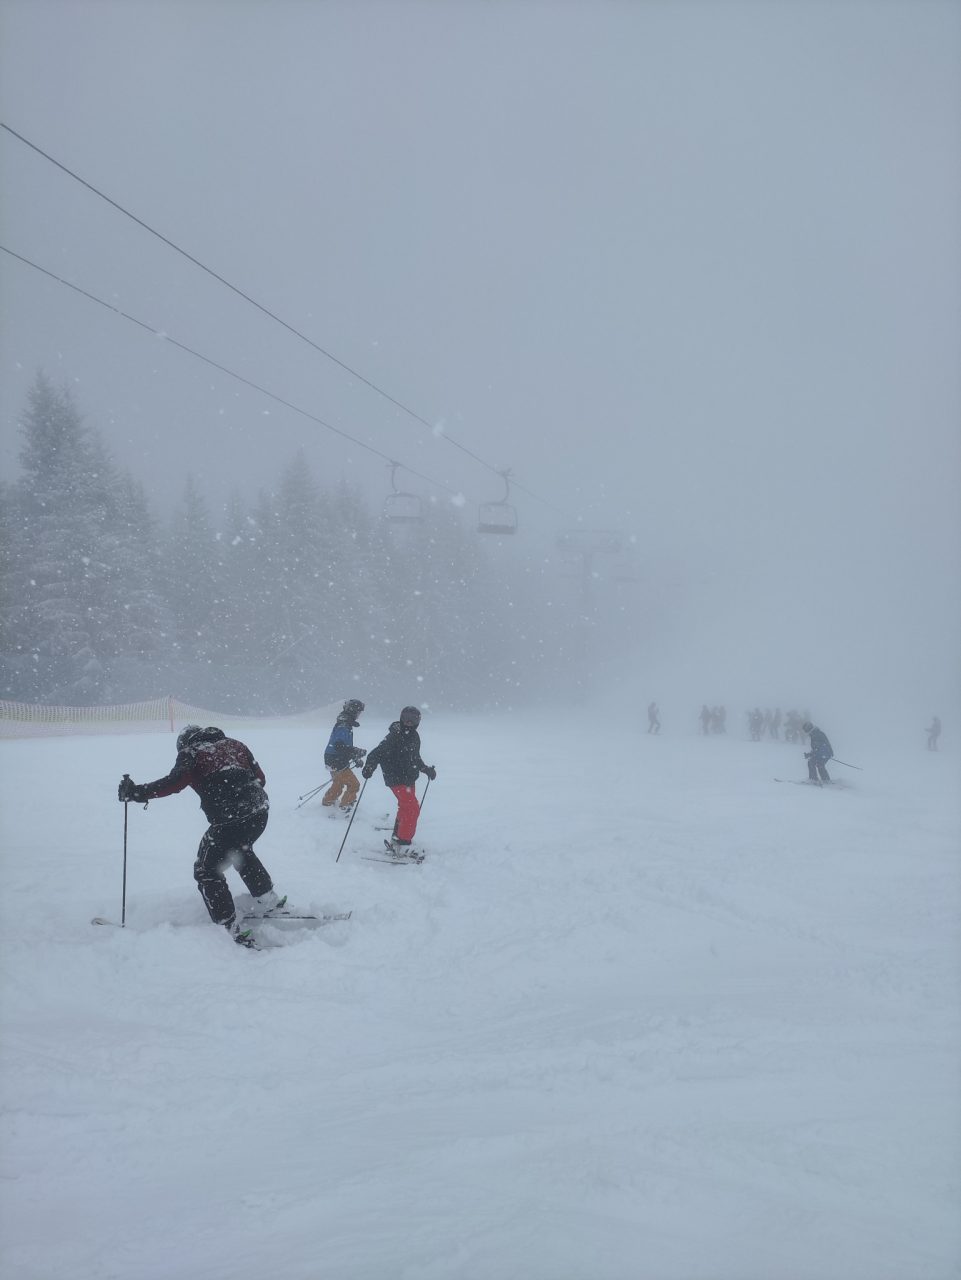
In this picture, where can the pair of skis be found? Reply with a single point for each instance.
(396, 857)
(328, 918)
(812, 782)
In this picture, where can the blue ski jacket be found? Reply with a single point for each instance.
(340, 752)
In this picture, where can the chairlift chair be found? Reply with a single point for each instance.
(589, 541)
(498, 517)
(400, 507)
(404, 508)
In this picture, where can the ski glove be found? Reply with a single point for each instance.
(367, 771)
(358, 754)
(130, 791)
(431, 772)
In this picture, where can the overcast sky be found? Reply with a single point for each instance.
(689, 269)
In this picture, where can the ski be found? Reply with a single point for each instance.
(281, 916)
(396, 858)
(810, 782)
(320, 920)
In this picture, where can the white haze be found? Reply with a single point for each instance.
(691, 270)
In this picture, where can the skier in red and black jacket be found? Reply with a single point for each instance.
(230, 784)
(399, 759)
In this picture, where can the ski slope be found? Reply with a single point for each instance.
(643, 1014)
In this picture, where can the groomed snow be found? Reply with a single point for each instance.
(643, 1014)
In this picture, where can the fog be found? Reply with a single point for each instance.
(691, 271)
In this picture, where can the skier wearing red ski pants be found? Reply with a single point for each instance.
(408, 811)
(399, 758)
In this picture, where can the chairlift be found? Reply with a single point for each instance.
(585, 542)
(401, 507)
(498, 517)
(625, 571)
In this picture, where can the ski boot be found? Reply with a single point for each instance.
(268, 904)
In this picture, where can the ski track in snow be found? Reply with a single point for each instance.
(658, 1018)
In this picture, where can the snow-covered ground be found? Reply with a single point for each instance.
(643, 1014)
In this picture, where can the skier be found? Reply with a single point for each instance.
(230, 784)
(399, 758)
(821, 752)
(705, 718)
(756, 723)
(653, 719)
(340, 754)
(934, 732)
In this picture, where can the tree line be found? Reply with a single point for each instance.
(300, 597)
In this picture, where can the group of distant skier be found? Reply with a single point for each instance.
(231, 786)
(767, 724)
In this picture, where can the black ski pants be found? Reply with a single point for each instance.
(230, 844)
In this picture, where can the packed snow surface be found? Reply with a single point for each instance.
(642, 1014)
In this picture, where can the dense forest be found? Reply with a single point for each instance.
(300, 597)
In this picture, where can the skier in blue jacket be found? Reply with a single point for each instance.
(340, 754)
(821, 752)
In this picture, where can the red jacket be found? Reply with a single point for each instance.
(224, 774)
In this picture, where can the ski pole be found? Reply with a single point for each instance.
(424, 796)
(123, 896)
(351, 823)
(310, 795)
(846, 765)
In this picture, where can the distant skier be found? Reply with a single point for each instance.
(821, 752)
(705, 718)
(653, 718)
(792, 726)
(934, 732)
(230, 784)
(775, 729)
(399, 758)
(756, 723)
(340, 754)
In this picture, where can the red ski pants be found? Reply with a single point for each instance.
(408, 811)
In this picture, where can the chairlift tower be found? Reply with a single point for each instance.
(586, 545)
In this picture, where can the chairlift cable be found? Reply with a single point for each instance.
(399, 404)
(160, 333)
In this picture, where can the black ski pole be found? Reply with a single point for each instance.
(424, 796)
(351, 823)
(846, 765)
(310, 795)
(123, 896)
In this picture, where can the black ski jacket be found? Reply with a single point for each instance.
(224, 774)
(821, 749)
(398, 756)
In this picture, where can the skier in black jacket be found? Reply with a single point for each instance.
(230, 784)
(399, 759)
(821, 752)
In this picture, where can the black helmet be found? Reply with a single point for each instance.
(188, 734)
(353, 707)
(410, 716)
(807, 726)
